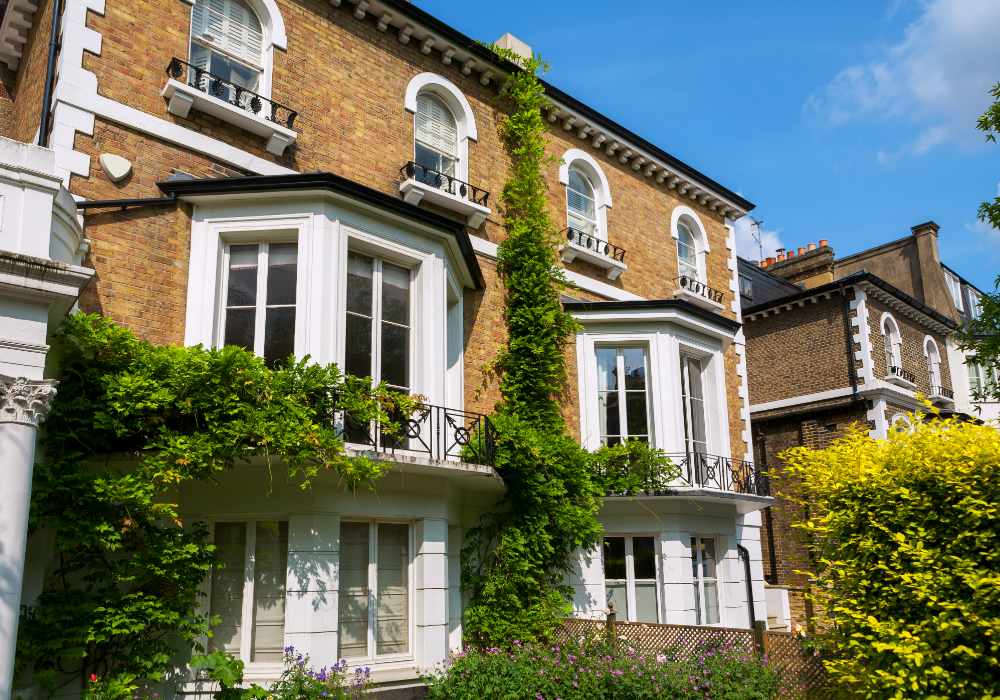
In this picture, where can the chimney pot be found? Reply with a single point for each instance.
(770, 261)
(755, 263)
(781, 256)
(789, 255)
(801, 250)
(822, 242)
(812, 246)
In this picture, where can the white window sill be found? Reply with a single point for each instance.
(414, 192)
(183, 97)
(941, 399)
(699, 300)
(900, 382)
(571, 251)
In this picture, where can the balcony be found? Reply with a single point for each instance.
(433, 432)
(190, 87)
(714, 472)
(902, 378)
(594, 250)
(942, 395)
(699, 294)
(422, 183)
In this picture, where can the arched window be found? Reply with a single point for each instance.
(892, 343)
(687, 253)
(227, 40)
(933, 365)
(435, 144)
(581, 210)
(901, 423)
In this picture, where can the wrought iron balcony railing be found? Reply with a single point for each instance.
(438, 432)
(446, 183)
(585, 240)
(710, 472)
(701, 289)
(903, 374)
(942, 391)
(226, 91)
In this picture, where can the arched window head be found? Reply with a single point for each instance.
(435, 144)
(581, 211)
(901, 423)
(892, 342)
(227, 40)
(933, 365)
(687, 252)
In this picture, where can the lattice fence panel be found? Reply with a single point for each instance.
(802, 672)
(643, 636)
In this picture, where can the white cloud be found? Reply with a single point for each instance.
(989, 237)
(746, 246)
(938, 77)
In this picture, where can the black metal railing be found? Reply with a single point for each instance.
(585, 240)
(903, 374)
(444, 182)
(942, 391)
(237, 96)
(701, 289)
(707, 471)
(438, 432)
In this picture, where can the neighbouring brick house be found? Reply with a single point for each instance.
(320, 177)
(831, 343)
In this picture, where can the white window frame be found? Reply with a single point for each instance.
(630, 613)
(694, 223)
(721, 550)
(246, 628)
(371, 657)
(263, 248)
(586, 164)
(595, 230)
(955, 287)
(447, 92)
(975, 304)
(376, 317)
(621, 391)
(748, 285)
(894, 351)
(933, 355)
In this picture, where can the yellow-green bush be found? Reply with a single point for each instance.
(905, 537)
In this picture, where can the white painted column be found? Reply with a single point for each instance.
(454, 588)
(312, 585)
(23, 405)
(431, 574)
(678, 598)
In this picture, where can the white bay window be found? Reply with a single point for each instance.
(630, 577)
(622, 395)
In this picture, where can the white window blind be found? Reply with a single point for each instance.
(436, 126)
(230, 26)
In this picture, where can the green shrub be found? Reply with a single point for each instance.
(584, 671)
(904, 536)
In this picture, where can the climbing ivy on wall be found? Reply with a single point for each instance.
(516, 560)
(121, 595)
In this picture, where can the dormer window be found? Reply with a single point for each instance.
(580, 205)
(227, 41)
(436, 136)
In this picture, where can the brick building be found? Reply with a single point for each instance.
(836, 342)
(320, 177)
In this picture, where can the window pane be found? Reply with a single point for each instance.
(697, 603)
(607, 369)
(240, 327)
(695, 374)
(708, 557)
(393, 608)
(227, 587)
(395, 355)
(694, 558)
(645, 601)
(269, 570)
(635, 368)
(617, 595)
(358, 359)
(395, 294)
(711, 603)
(635, 414)
(282, 262)
(607, 403)
(426, 157)
(352, 613)
(242, 289)
(644, 557)
(614, 558)
(279, 334)
(360, 272)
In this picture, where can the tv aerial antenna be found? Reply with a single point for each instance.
(756, 222)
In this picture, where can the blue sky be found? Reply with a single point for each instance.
(850, 121)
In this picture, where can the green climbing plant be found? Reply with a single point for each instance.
(131, 421)
(516, 560)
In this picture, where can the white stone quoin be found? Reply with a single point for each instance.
(24, 404)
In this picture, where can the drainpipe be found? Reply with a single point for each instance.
(767, 511)
(50, 76)
(745, 556)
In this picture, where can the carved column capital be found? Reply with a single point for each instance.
(25, 400)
